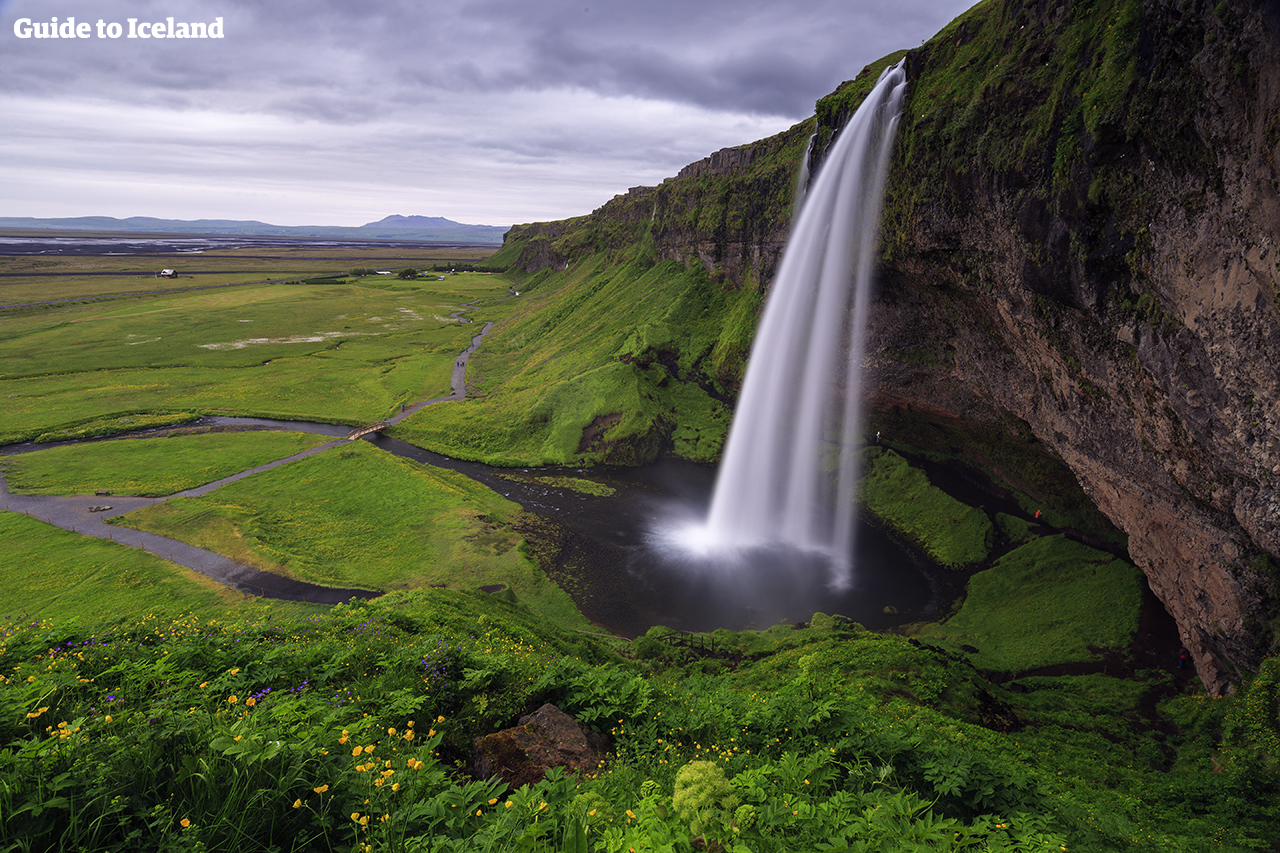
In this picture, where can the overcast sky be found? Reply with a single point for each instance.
(330, 112)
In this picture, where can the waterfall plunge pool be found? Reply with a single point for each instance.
(617, 562)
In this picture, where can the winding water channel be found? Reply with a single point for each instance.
(623, 578)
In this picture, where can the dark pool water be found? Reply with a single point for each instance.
(627, 577)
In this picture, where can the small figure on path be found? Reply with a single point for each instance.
(1183, 657)
(877, 436)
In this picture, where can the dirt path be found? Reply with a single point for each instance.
(73, 513)
(458, 379)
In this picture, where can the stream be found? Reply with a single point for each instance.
(612, 563)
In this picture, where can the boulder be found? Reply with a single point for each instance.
(546, 738)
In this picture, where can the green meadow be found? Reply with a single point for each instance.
(352, 731)
(354, 516)
(149, 467)
(66, 577)
(347, 353)
(79, 278)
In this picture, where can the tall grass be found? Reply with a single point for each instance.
(350, 732)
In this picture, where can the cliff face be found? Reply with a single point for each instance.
(1081, 231)
(729, 212)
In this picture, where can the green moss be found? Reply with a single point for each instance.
(952, 533)
(1051, 601)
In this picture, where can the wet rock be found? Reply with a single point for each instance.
(546, 738)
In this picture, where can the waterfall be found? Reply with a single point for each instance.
(789, 472)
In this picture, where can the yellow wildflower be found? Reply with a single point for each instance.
(184, 823)
(297, 803)
(232, 699)
(321, 789)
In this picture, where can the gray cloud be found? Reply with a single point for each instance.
(497, 110)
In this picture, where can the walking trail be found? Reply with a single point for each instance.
(76, 513)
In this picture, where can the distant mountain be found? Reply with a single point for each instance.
(434, 229)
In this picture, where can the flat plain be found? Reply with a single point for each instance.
(342, 349)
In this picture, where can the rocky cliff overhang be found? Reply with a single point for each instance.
(1082, 225)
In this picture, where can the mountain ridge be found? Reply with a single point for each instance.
(395, 226)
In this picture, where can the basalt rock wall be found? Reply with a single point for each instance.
(1082, 231)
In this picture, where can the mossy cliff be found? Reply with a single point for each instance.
(730, 212)
(1078, 252)
(1079, 233)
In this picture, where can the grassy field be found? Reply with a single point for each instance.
(355, 516)
(340, 352)
(349, 353)
(26, 279)
(1051, 601)
(353, 730)
(56, 574)
(149, 466)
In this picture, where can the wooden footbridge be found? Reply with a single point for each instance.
(361, 432)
